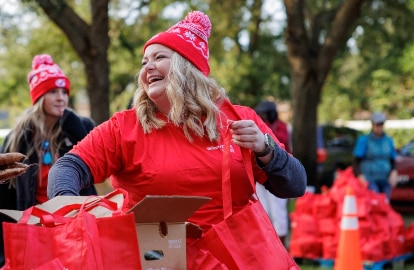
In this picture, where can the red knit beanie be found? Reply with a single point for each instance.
(45, 76)
(189, 38)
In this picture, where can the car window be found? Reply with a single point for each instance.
(408, 150)
(342, 141)
(339, 136)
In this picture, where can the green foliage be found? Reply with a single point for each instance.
(248, 70)
(247, 53)
(376, 73)
(22, 43)
(401, 136)
(407, 60)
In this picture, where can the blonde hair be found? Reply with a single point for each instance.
(194, 99)
(33, 121)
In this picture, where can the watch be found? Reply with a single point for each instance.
(270, 146)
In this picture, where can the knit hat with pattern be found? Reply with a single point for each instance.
(189, 38)
(45, 76)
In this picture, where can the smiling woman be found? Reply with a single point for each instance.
(155, 67)
(181, 131)
(45, 132)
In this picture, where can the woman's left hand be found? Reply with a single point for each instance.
(247, 134)
(393, 178)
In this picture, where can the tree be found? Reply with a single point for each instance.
(313, 36)
(91, 43)
(315, 39)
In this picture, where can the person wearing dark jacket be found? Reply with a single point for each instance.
(45, 132)
(21, 192)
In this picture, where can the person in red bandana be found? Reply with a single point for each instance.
(172, 142)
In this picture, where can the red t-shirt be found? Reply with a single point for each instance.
(164, 162)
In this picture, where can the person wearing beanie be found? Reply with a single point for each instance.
(174, 140)
(44, 132)
(45, 76)
(374, 157)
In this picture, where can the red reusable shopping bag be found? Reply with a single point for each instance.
(55, 264)
(80, 242)
(236, 242)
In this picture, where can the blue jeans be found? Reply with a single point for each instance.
(380, 187)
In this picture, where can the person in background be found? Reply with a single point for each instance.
(171, 142)
(374, 157)
(277, 210)
(43, 133)
(275, 207)
(267, 110)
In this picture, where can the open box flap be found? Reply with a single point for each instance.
(193, 231)
(10, 215)
(154, 208)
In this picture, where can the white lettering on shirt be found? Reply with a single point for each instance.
(221, 147)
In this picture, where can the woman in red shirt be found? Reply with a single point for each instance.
(171, 143)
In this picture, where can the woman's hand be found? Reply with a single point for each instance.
(393, 178)
(245, 133)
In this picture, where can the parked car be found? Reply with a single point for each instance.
(402, 196)
(334, 151)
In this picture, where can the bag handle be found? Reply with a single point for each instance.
(59, 216)
(226, 182)
(32, 211)
(51, 219)
(54, 218)
(92, 204)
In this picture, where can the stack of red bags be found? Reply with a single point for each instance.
(315, 223)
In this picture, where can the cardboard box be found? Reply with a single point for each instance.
(160, 222)
(162, 230)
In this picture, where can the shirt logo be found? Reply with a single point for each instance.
(221, 147)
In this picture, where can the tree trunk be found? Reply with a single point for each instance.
(97, 75)
(310, 61)
(305, 100)
(91, 43)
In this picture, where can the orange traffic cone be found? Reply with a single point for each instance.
(348, 255)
